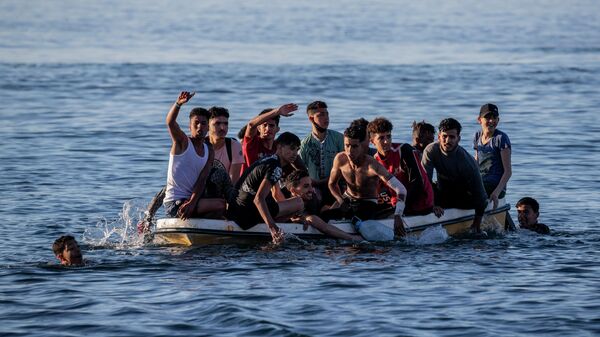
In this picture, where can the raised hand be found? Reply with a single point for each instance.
(184, 97)
(286, 109)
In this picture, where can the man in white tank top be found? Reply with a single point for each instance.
(190, 162)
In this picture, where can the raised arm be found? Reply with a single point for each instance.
(334, 178)
(178, 137)
(284, 110)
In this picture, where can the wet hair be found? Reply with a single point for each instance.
(288, 139)
(312, 108)
(356, 131)
(422, 126)
(360, 122)
(380, 125)
(200, 112)
(293, 179)
(528, 201)
(276, 118)
(217, 111)
(58, 247)
(242, 132)
(450, 124)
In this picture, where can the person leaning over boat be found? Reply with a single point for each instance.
(254, 203)
(300, 184)
(227, 150)
(190, 162)
(492, 152)
(404, 162)
(362, 174)
(318, 148)
(528, 211)
(459, 183)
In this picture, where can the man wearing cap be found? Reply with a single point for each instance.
(459, 183)
(492, 152)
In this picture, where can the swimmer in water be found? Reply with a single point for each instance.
(67, 251)
(528, 211)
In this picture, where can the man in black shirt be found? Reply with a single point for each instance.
(255, 203)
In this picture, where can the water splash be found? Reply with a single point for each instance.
(430, 236)
(120, 233)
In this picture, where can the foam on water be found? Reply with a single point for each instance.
(120, 233)
(430, 236)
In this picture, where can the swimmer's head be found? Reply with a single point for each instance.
(67, 251)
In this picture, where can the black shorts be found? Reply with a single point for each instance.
(248, 216)
(364, 209)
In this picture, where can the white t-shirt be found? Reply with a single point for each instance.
(237, 157)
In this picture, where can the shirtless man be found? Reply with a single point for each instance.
(190, 162)
(362, 174)
(300, 184)
(67, 251)
(528, 211)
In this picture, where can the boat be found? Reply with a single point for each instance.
(200, 231)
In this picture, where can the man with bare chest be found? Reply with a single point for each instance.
(362, 174)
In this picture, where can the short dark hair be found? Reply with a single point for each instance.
(360, 122)
(531, 202)
(380, 125)
(217, 111)
(200, 112)
(59, 244)
(293, 179)
(289, 139)
(242, 132)
(422, 126)
(356, 131)
(312, 108)
(450, 124)
(276, 118)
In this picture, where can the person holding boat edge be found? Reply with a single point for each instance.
(459, 183)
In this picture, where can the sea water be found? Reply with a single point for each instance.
(85, 88)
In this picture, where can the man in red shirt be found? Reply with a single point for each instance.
(402, 160)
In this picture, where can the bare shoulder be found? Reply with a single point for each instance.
(340, 159)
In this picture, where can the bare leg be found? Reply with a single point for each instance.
(330, 230)
(216, 207)
(289, 206)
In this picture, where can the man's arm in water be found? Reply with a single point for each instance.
(178, 137)
(261, 205)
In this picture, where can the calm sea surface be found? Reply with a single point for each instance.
(84, 90)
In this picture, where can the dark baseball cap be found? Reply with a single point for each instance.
(488, 108)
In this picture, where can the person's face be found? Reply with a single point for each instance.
(304, 189)
(71, 255)
(321, 118)
(448, 140)
(489, 122)
(354, 149)
(268, 129)
(424, 138)
(198, 126)
(288, 153)
(218, 127)
(526, 215)
(382, 142)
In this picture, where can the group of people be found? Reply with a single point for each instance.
(327, 175)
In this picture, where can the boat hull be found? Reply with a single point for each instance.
(194, 232)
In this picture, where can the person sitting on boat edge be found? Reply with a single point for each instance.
(459, 183)
(361, 173)
(300, 184)
(255, 203)
(190, 162)
(528, 211)
(492, 153)
(227, 150)
(67, 251)
(319, 147)
(404, 162)
(423, 134)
